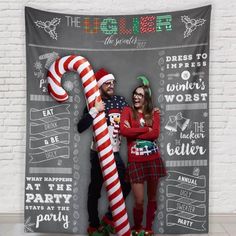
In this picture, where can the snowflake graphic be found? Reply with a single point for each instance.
(59, 162)
(170, 133)
(38, 70)
(161, 223)
(196, 171)
(49, 26)
(193, 142)
(68, 85)
(28, 225)
(191, 25)
(38, 65)
(177, 142)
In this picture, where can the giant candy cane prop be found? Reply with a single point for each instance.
(106, 156)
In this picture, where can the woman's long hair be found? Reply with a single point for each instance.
(148, 105)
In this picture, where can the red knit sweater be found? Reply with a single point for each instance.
(141, 142)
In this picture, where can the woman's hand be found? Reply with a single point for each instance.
(156, 109)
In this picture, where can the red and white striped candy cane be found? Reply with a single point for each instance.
(106, 156)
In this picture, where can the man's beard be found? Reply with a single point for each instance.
(107, 93)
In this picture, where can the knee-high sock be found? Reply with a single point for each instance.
(150, 214)
(138, 216)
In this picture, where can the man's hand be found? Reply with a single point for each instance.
(99, 105)
(127, 124)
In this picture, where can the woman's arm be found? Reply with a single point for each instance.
(125, 128)
(155, 131)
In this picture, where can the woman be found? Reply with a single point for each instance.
(140, 124)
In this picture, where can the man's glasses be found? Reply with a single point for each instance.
(109, 84)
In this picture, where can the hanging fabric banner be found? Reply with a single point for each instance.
(171, 49)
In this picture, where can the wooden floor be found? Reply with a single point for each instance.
(219, 226)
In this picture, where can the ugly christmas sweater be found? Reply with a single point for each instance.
(141, 142)
(113, 109)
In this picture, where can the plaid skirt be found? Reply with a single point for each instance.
(138, 172)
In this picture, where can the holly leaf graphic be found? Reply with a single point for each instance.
(185, 19)
(187, 32)
(56, 21)
(53, 34)
(200, 22)
(40, 24)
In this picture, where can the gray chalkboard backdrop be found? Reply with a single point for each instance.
(172, 50)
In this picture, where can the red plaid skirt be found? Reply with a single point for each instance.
(138, 172)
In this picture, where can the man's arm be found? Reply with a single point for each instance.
(88, 116)
(85, 121)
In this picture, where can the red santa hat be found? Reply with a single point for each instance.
(102, 76)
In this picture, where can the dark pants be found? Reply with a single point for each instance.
(95, 186)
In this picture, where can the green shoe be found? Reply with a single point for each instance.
(134, 233)
(141, 233)
(138, 232)
(108, 225)
(96, 232)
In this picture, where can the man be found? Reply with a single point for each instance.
(113, 106)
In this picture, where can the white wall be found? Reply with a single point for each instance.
(222, 91)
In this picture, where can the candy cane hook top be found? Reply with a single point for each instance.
(106, 156)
